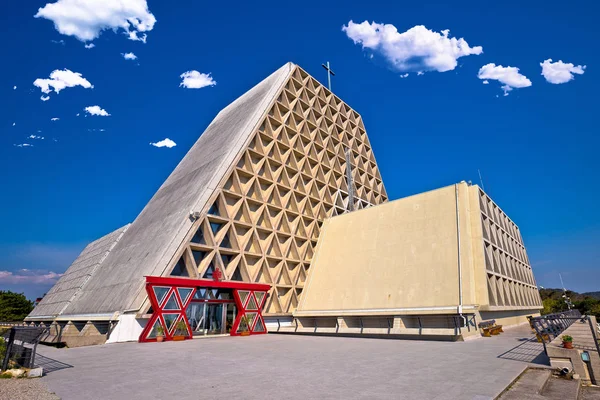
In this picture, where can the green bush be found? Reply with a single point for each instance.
(2, 349)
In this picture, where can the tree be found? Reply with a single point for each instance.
(14, 306)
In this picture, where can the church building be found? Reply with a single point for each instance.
(277, 220)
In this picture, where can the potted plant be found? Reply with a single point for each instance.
(181, 330)
(160, 333)
(244, 325)
(567, 341)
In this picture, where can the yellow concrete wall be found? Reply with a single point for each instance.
(398, 255)
(477, 250)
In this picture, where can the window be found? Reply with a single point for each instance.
(180, 269)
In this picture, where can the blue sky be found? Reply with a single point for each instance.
(536, 147)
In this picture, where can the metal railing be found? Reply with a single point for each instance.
(21, 345)
(550, 326)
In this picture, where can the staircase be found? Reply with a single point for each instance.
(540, 384)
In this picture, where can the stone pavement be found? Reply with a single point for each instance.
(293, 367)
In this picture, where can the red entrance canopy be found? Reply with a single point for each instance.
(170, 297)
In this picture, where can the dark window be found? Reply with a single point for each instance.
(237, 276)
(180, 269)
(199, 237)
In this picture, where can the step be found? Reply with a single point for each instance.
(528, 386)
(561, 389)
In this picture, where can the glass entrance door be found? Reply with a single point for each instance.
(214, 318)
(211, 311)
(196, 315)
(230, 312)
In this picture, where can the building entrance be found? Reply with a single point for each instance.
(206, 307)
(212, 315)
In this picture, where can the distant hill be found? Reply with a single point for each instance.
(586, 303)
(556, 294)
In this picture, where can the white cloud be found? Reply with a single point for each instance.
(560, 72)
(45, 98)
(509, 76)
(90, 46)
(129, 56)
(420, 73)
(59, 80)
(15, 87)
(23, 145)
(96, 110)
(14, 123)
(54, 119)
(417, 49)
(85, 20)
(62, 42)
(29, 276)
(486, 82)
(165, 143)
(196, 80)
(35, 137)
(404, 75)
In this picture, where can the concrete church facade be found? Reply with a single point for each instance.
(232, 236)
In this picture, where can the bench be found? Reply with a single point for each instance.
(489, 328)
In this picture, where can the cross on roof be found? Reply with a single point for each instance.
(329, 73)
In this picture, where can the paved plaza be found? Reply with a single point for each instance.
(292, 367)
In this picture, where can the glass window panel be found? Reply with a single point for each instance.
(160, 292)
(226, 258)
(224, 294)
(209, 271)
(259, 327)
(213, 294)
(215, 227)
(251, 304)
(229, 316)
(198, 256)
(259, 297)
(243, 296)
(151, 310)
(180, 269)
(170, 321)
(214, 316)
(242, 326)
(199, 236)
(251, 317)
(237, 275)
(184, 293)
(152, 334)
(226, 243)
(171, 304)
(195, 315)
(214, 209)
(200, 294)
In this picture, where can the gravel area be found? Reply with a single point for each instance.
(25, 389)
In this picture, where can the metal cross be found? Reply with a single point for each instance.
(329, 73)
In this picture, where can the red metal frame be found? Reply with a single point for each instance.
(245, 306)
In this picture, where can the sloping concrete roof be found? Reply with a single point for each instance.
(77, 275)
(154, 237)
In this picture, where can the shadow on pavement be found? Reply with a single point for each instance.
(50, 364)
(530, 351)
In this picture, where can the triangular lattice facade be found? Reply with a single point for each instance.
(263, 220)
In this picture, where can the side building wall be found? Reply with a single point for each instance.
(395, 269)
